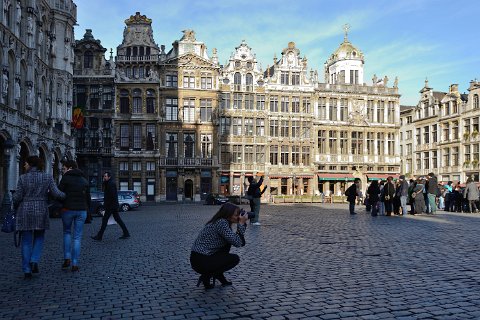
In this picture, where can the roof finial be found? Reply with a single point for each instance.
(426, 82)
(346, 27)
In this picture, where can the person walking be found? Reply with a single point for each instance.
(352, 193)
(30, 201)
(373, 195)
(388, 194)
(256, 194)
(433, 192)
(471, 194)
(111, 207)
(74, 212)
(403, 194)
(210, 255)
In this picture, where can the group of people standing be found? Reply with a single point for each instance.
(392, 198)
(30, 201)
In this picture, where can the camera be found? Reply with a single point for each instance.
(250, 214)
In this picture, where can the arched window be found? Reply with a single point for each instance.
(150, 101)
(237, 81)
(88, 60)
(137, 101)
(249, 81)
(475, 101)
(124, 101)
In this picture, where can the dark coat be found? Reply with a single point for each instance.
(254, 189)
(77, 190)
(373, 193)
(110, 196)
(388, 190)
(352, 193)
(31, 197)
(432, 186)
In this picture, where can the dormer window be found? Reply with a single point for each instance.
(88, 60)
(237, 64)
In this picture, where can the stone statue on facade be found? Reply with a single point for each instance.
(395, 83)
(40, 36)
(29, 96)
(374, 79)
(4, 85)
(16, 91)
(385, 81)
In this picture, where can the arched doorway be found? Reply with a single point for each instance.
(189, 189)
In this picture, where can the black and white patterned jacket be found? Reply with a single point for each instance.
(217, 235)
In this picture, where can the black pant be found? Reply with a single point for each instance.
(214, 264)
(117, 218)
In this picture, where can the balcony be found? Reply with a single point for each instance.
(188, 162)
(151, 58)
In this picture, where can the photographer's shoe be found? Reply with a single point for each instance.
(222, 280)
(205, 279)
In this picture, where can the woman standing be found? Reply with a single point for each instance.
(74, 212)
(30, 199)
(373, 194)
(418, 197)
(389, 193)
(210, 254)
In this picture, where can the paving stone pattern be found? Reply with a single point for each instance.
(303, 262)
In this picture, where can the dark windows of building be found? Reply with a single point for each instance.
(150, 101)
(344, 142)
(237, 154)
(357, 142)
(284, 78)
(295, 78)
(284, 186)
(284, 128)
(124, 137)
(306, 107)
(171, 80)
(107, 98)
(135, 51)
(206, 81)
(381, 111)
(206, 110)
(260, 102)
(88, 60)
(237, 126)
(189, 81)
(237, 81)
(260, 127)
(249, 82)
(137, 101)
(285, 104)
(295, 104)
(129, 52)
(322, 141)
(260, 154)
(189, 110)
(333, 109)
(94, 98)
(81, 96)
(295, 129)
(171, 145)
(225, 125)
(225, 154)
(322, 108)
(189, 144)
(274, 103)
(343, 109)
(249, 102)
(237, 100)
(273, 154)
(225, 101)
(248, 126)
(426, 134)
(475, 101)
(151, 136)
(306, 156)
(137, 136)
(381, 143)
(284, 155)
(296, 155)
(248, 154)
(206, 148)
(171, 109)
(274, 128)
(370, 143)
(124, 102)
(332, 141)
(141, 51)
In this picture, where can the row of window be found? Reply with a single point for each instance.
(355, 142)
(429, 159)
(284, 155)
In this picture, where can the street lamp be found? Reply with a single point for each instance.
(6, 202)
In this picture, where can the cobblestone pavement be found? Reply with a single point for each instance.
(303, 262)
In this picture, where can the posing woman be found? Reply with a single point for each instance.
(210, 256)
(74, 212)
(30, 199)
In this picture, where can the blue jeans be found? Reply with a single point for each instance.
(77, 218)
(32, 245)
(403, 204)
(256, 206)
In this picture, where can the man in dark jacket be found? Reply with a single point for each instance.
(352, 193)
(110, 202)
(403, 194)
(433, 192)
(255, 194)
(74, 211)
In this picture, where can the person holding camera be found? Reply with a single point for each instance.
(210, 256)
(255, 194)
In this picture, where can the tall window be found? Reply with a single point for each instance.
(274, 128)
(343, 109)
(434, 160)
(171, 80)
(124, 136)
(206, 81)
(306, 156)
(426, 134)
(295, 78)
(260, 102)
(273, 155)
(370, 143)
(381, 143)
(446, 157)
(237, 81)
(150, 165)
(225, 153)
(284, 128)
(260, 154)
(248, 153)
(137, 101)
(137, 136)
(434, 133)
(426, 160)
(206, 110)
(237, 100)
(151, 136)
(249, 81)
(150, 101)
(475, 101)
(189, 110)
(306, 108)
(225, 101)
(171, 109)
(455, 156)
(249, 102)
(357, 142)
(391, 143)
(418, 136)
(333, 109)
(225, 125)
(171, 145)
(296, 155)
(295, 104)
(188, 81)
(284, 104)
(391, 112)
(189, 144)
(284, 155)
(344, 142)
(295, 129)
(446, 131)
(322, 141)
(274, 103)
(322, 108)
(237, 154)
(284, 78)
(88, 60)
(248, 126)
(305, 129)
(455, 130)
(260, 127)
(381, 111)
(237, 126)
(370, 110)
(332, 141)
(124, 101)
(107, 98)
(206, 145)
(94, 97)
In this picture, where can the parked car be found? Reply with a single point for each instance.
(127, 202)
(214, 198)
(96, 203)
(131, 193)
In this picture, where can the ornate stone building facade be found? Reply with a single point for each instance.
(93, 104)
(36, 85)
(445, 129)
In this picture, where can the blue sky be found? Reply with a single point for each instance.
(411, 39)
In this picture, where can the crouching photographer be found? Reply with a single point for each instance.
(210, 256)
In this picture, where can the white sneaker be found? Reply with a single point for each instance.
(257, 224)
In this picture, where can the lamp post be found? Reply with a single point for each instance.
(294, 187)
(6, 202)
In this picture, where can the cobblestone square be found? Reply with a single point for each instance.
(304, 262)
